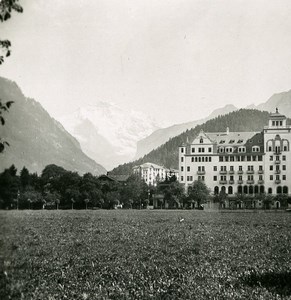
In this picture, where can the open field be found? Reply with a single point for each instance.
(145, 254)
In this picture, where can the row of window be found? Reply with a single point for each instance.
(277, 168)
(249, 189)
(241, 158)
(240, 178)
(240, 149)
(199, 159)
(190, 178)
(277, 149)
(277, 157)
(224, 168)
(240, 168)
(277, 177)
(277, 123)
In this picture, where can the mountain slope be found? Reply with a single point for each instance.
(167, 154)
(282, 101)
(162, 135)
(36, 139)
(107, 132)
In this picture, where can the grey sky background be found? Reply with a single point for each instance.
(177, 60)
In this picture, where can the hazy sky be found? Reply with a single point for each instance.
(176, 60)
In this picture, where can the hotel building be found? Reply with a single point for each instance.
(152, 173)
(240, 162)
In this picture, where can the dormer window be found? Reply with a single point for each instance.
(241, 149)
(229, 149)
(222, 142)
(240, 141)
(231, 141)
(201, 140)
(255, 149)
(221, 149)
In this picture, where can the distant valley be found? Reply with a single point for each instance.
(107, 133)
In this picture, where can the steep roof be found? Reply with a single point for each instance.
(150, 165)
(109, 177)
(231, 138)
(119, 178)
(203, 135)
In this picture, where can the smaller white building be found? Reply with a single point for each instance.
(152, 173)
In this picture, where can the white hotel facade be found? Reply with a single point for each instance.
(240, 162)
(152, 173)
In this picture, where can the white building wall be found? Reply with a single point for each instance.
(258, 171)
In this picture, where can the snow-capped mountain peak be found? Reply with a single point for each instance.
(109, 131)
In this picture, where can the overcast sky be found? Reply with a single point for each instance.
(174, 59)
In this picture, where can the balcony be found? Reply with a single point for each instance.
(250, 171)
(250, 181)
(240, 172)
(200, 172)
(261, 172)
(240, 181)
(260, 181)
(222, 181)
(231, 172)
(231, 182)
(277, 181)
(222, 172)
(277, 171)
(277, 161)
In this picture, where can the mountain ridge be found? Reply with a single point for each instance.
(281, 100)
(36, 139)
(162, 135)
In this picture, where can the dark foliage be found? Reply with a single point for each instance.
(6, 8)
(275, 282)
(4, 107)
(59, 188)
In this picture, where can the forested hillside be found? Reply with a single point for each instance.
(167, 154)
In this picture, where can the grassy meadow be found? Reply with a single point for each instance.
(130, 254)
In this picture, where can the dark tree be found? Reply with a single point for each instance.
(172, 190)
(6, 8)
(134, 192)
(198, 192)
(9, 187)
(24, 178)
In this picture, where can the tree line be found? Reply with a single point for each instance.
(58, 188)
